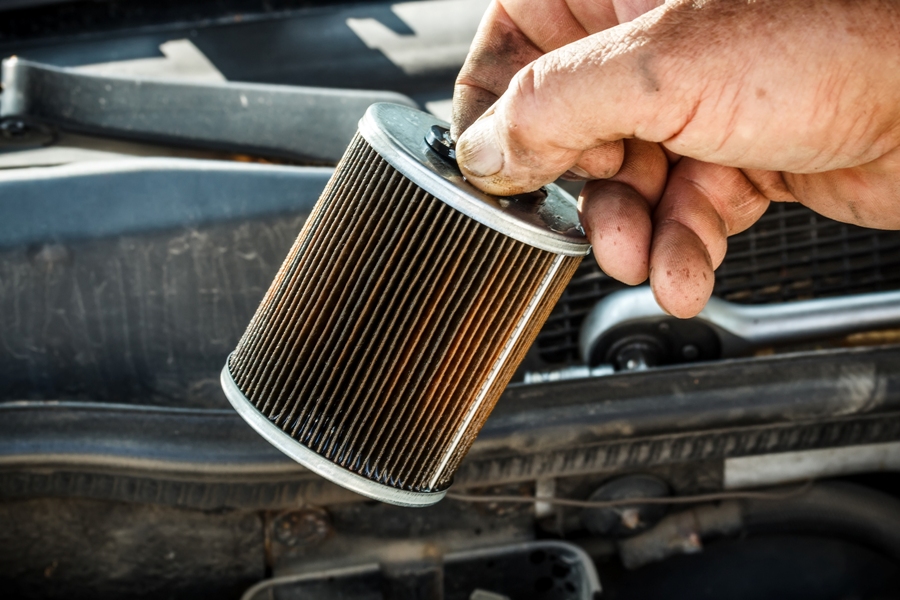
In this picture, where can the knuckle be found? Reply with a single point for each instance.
(534, 124)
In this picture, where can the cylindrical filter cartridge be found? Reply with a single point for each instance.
(400, 313)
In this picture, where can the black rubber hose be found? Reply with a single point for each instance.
(834, 509)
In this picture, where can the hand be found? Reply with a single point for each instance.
(687, 120)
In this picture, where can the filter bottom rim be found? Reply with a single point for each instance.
(315, 463)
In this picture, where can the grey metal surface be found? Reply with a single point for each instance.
(57, 548)
(573, 372)
(131, 281)
(744, 327)
(95, 200)
(784, 467)
(398, 134)
(63, 148)
(309, 459)
(193, 442)
(621, 423)
(301, 123)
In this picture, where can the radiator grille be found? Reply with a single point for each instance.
(386, 320)
(790, 254)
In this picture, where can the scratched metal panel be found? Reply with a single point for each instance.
(143, 318)
(147, 315)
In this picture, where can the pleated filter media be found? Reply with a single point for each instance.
(401, 312)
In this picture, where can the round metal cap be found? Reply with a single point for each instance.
(314, 462)
(547, 220)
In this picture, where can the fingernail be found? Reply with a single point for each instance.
(477, 149)
(576, 173)
(579, 171)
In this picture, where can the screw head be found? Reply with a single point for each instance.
(302, 527)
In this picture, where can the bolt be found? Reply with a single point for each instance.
(690, 352)
(438, 139)
(13, 128)
(636, 363)
(302, 527)
(631, 518)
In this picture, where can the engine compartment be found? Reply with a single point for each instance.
(126, 278)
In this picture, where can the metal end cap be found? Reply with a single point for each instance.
(546, 221)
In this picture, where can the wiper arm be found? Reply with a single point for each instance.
(306, 124)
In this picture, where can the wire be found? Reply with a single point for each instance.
(798, 491)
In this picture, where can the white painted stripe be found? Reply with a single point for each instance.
(498, 366)
(442, 31)
(181, 60)
(784, 467)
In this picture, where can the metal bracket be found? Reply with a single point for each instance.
(629, 330)
(307, 124)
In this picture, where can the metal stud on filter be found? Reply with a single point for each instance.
(400, 314)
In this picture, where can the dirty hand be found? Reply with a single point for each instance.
(687, 118)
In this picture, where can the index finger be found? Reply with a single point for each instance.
(513, 33)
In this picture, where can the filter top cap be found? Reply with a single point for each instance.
(548, 221)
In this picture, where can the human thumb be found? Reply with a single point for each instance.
(569, 111)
